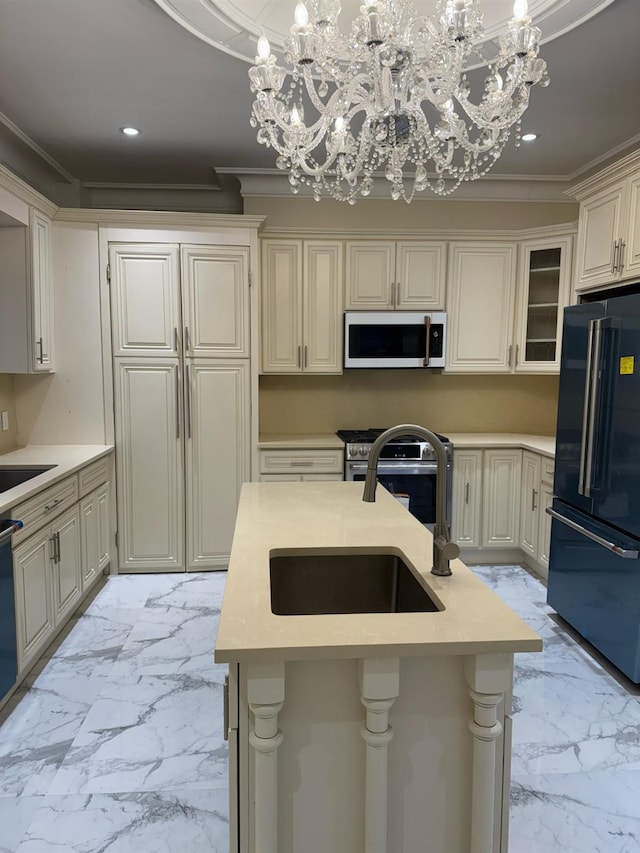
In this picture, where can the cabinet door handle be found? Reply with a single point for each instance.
(534, 495)
(225, 706)
(306, 355)
(466, 493)
(177, 378)
(52, 554)
(175, 339)
(621, 255)
(510, 354)
(49, 507)
(393, 294)
(187, 340)
(614, 257)
(517, 354)
(299, 363)
(40, 356)
(187, 387)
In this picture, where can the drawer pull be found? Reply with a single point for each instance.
(299, 462)
(49, 507)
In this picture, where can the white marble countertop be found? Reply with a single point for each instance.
(544, 444)
(66, 458)
(333, 515)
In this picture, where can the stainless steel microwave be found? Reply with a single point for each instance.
(395, 338)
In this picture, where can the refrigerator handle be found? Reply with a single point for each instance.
(593, 408)
(588, 379)
(625, 553)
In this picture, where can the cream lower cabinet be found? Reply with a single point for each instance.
(467, 497)
(501, 498)
(95, 530)
(536, 497)
(287, 465)
(301, 306)
(184, 437)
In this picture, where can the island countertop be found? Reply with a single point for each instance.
(332, 515)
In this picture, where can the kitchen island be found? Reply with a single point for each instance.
(361, 731)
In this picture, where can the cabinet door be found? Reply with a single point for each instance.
(480, 305)
(103, 510)
(217, 457)
(631, 251)
(67, 571)
(600, 225)
(544, 528)
(281, 306)
(467, 496)
(215, 288)
(42, 292)
(501, 498)
(145, 300)
(420, 276)
(322, 308)
(530, 503)
(543, 292)
(369, 274)
(32, 562)
(149, 462)
(89, 539)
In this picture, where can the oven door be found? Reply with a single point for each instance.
(413, 480)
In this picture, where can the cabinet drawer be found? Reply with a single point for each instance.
(300, 461)
(43, 507)
(547, 471)
(93, 475)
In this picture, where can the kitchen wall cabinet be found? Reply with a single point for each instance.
(480, 306)
(182, 401)
(26, 324)
(467, 498)
(407, 275)
(57, 556)
(302, 297)
(501, 498)
(608, 249)
(544, 288)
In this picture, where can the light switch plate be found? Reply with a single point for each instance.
(5, 421)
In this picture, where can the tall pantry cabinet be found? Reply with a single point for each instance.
(181, 347)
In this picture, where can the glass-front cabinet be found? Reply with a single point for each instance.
(544, 279)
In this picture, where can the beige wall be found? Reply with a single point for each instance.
(436, 214)
(382, 398)
(7, 404)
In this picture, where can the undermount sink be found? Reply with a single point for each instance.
(323, 581)
(15, 475)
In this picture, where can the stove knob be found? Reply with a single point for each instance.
(364, 450)
(352, 451)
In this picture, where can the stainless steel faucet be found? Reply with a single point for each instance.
(443, 548)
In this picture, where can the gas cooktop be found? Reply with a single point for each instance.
(366, 436)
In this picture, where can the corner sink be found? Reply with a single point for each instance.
(15, 475)
(322, 581)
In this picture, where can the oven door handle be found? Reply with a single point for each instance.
(416, 468)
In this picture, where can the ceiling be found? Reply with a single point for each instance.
(72, 72)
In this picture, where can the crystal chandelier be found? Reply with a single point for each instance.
(393, 96)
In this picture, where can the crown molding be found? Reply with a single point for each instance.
(615, 171)
(272, 183)
(545, 232)
(158, 218)
(26, 193)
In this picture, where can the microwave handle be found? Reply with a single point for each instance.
(427, 355)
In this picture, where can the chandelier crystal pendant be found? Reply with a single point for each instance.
(392, 96)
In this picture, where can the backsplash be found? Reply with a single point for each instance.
(382, 398)
(7, 404)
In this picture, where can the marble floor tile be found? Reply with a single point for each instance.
(149, 733)
(175, 821)
(16, 815)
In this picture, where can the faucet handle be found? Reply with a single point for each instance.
(443, 551)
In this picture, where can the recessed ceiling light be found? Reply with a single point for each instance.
(130, 131)
(529, 137)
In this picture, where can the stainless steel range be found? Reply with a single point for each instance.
(407, 468)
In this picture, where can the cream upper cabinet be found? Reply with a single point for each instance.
(501, 498)
(480, 307)
(146, 316)
(467, 497)
(387, 275)
(608, 247)
(544, 288)
(41, 292)
(216, 301)
(301, 306)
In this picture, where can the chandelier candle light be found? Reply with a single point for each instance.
(392, 96)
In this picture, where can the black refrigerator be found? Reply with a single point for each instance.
(594, 565)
